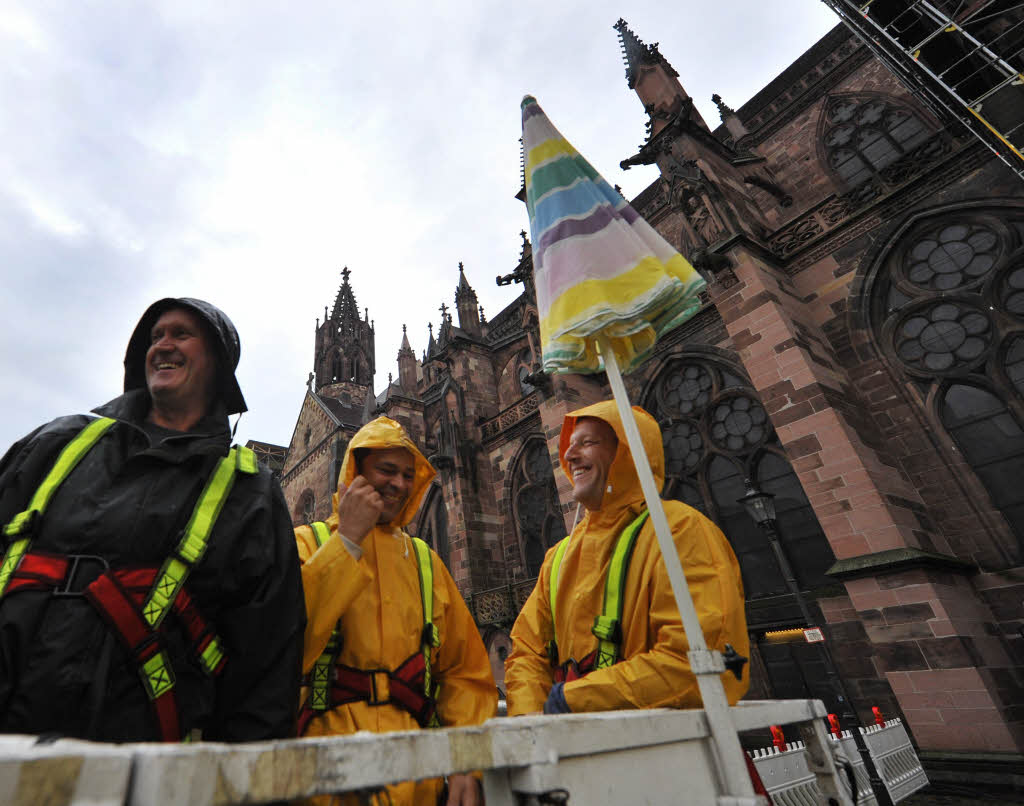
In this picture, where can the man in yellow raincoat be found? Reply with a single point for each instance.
(365, 610)
(562, 664)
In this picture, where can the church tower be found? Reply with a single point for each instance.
(467, 305)
(344, 353)
(654, 80)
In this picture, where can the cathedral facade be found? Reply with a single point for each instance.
(859, 354)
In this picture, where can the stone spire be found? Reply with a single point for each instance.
(729, 118)
(406, 365)
(653, 79)
(467, 305)
(344, 349)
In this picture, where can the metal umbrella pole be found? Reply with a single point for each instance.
(706, 664)
(761, 508)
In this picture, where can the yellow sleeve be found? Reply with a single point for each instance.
(661, 676)
(331, 580)
(468, 694)
(528, 670)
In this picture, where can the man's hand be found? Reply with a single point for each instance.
(464, 790)
(556, 703)
(359, 507)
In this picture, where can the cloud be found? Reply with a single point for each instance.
(245, 152)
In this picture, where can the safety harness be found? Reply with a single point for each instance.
(411, 686)
(133, 601)
(608, 625)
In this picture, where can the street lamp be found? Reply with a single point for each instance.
(760, 507)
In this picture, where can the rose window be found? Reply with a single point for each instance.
(1015, 292)
(688, 390)
(952, 256)
(682, 448)
(942, 337)
(739, 423)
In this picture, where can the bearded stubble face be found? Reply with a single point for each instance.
(391, 472)
(589, 458)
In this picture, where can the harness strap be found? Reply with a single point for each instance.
(411, 686)
(27, 520)
(607, 626)
(135, 615)
(192, 547)
(320, 675)
(115, 603)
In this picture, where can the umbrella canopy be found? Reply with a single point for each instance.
(599, 268)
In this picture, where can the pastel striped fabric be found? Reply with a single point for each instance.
(598, 266)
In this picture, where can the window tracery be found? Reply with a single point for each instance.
(948, 308)
(865, 135)
(716, 434)
(535, 508)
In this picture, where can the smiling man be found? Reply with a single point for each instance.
(601, 630)
(149, 588)
(390, 644)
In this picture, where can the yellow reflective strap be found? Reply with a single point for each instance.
(608, 624)
(320, 533)
(556, 564)
(157, 675)
(426, 570)
(247, 461)
(208, 508)
(194, 542)
(12, 557)
(168, 582)
(212, 656)
(70, 456)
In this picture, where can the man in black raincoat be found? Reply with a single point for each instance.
(149, 587)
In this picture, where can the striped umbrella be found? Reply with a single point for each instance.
(607, 287)
(599, 268)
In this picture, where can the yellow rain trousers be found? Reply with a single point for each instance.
(654, 671)
(377, 599)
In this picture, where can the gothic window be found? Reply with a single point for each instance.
(305, 437)
(535, 508)
(336, 368)
(308, 507)
(864, 135)
(948, 309)
(434, 523)
(716, 435)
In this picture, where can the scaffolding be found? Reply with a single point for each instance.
(964, 58)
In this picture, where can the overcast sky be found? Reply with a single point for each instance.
(244, 152)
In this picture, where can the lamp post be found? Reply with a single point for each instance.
(760, 507)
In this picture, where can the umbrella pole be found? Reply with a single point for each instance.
(706, 664)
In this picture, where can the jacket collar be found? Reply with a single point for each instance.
(210, 435)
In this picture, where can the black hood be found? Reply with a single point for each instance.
(225, 342)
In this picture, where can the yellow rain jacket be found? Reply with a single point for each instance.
(377, 599)
(654, 671)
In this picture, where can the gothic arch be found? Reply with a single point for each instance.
(864, 138)
(305, 507)
(943, 304)
(433, 523)
(717, 434)
(534, 505)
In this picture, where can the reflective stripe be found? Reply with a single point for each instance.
(320, 674)
(556, 564)
(193, 544)
(212, 656)
(608, 626)
(66, 461)
(68, 458)
(320, 533)
(157, 676)
(431, 637)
